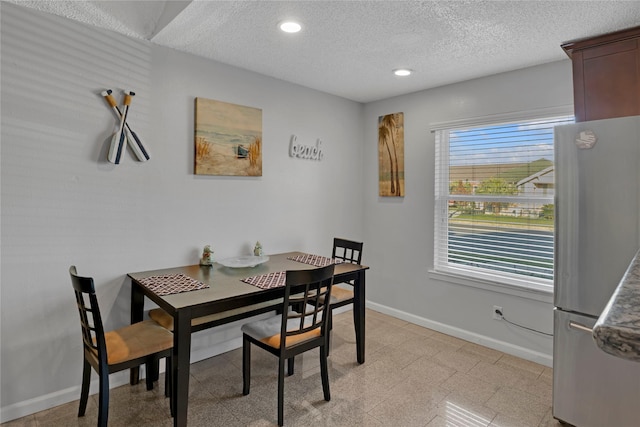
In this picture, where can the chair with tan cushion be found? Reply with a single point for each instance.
(108, 352)
(347, 251)
(292, 333)
(165, 320)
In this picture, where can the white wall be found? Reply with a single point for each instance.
(399, 232)
(63, 204)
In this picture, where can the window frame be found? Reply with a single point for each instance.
(515, 284)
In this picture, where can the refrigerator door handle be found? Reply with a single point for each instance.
(580, 327)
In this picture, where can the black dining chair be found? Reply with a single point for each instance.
(291, 333)
(347, 251)
(108, 352)
(165, 320)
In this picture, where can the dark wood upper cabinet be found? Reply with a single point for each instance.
(606, 75)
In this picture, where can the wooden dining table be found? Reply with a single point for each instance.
(223, 291)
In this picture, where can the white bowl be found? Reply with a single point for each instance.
(243, 261)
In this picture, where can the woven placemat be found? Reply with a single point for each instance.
(268, 281)
(172, 284)
(315, 260)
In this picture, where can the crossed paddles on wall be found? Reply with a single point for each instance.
(124, 135)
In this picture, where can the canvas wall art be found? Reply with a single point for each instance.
(391, 155)
(228, 139)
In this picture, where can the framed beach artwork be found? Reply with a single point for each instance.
(391, 155)
(228, 139)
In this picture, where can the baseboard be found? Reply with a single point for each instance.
(505, 347)
(40, 403)
(51, 400)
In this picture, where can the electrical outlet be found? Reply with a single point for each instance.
(497, 316)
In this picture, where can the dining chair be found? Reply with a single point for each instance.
(108, 352)
(165, 320)
(347, 251)
(302, 326)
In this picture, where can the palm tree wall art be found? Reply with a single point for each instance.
(391, 155)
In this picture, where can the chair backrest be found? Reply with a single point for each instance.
(347, 250)
(305, 291)
(90, 319)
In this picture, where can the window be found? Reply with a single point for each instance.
(494, 201)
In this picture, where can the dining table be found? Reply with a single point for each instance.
(193, 291)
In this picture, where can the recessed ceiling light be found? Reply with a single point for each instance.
(290, 26)
(402, 72)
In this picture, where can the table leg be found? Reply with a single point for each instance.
(137, 314)
(181, 366)
(359, 314)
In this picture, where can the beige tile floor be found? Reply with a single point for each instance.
(413, 376)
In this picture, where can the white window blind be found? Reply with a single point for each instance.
(494, 195)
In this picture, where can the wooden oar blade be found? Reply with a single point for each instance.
(116, 148)
(113, 148)
(136, 145)
(121, 144)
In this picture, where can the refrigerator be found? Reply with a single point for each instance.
(597, 202)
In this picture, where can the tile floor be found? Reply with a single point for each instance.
(413, 376)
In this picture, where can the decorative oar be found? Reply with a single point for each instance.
(134, 141)
(118, 140)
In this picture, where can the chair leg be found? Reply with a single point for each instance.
(246, 366)
(151, 368)
(103, 398)
(84, 393)
(329, 328)
(324, 373)
(290, 365)
(168, 373)
(281, 391)
(155, 370)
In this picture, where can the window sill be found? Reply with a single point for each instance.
(542, 295)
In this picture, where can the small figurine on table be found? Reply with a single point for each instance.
(257, 250)
(207, 256)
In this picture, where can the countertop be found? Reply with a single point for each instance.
(617, 330)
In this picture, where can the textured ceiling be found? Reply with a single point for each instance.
(349, 48)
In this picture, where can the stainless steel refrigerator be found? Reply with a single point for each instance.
(597, 235)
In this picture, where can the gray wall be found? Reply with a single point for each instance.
(399, 232)
(63, 204)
